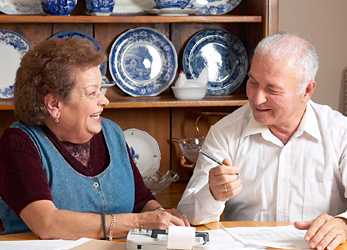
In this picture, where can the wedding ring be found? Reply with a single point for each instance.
(226, 189)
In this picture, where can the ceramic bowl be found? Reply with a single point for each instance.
(189, 93)
(58, 7)
(100, 7)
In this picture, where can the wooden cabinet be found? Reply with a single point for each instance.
(163, 116)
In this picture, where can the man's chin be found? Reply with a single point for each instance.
(262, 119)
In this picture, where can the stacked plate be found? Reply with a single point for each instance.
(13, 46)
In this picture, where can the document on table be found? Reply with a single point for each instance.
(42, 244)
(285, 237)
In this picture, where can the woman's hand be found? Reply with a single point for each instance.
(161, 219)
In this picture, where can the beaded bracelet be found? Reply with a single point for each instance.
(113, 222)
(159, 208)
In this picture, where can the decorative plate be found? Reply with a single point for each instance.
(172, 12)
(213, 7)
(21, 7)
(143, 62)
(224, 56)
(13, 46)
(76, 34)
(145, 151)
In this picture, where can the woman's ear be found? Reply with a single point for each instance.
(53, 106)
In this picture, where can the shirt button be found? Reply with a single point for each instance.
(96, 185)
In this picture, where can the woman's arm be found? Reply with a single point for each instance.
(49, 222)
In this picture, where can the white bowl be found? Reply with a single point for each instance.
(189, 93)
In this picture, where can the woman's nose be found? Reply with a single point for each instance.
(103, 100)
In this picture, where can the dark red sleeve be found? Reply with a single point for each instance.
(142, 193)
(23, 178)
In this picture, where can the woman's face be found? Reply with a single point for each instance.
(80, 113)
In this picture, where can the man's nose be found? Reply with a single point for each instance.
(259, 97)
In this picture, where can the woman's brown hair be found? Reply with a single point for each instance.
(50, 68)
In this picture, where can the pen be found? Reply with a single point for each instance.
(213, 159)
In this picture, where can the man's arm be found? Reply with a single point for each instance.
(197, 202)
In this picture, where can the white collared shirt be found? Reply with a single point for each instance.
(296, 181)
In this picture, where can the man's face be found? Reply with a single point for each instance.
(274, 94)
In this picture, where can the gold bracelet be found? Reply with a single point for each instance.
(110, 229)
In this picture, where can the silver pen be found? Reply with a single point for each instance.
(213, 158)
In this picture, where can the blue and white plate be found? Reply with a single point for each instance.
(214, 7)
(12, 48)
(143, 62)
(76, 34)
(224, 56)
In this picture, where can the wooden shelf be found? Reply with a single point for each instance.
(129, 19)
(160, 102)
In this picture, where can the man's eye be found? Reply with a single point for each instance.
(92, 93)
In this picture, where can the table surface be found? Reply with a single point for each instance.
(120, 244)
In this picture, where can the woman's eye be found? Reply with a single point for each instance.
(92, 93)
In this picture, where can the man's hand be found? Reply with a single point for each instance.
(324, 232)
(224, 181)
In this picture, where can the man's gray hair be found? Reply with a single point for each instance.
(299, 53)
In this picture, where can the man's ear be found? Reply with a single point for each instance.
(53, 106)
(309, 90)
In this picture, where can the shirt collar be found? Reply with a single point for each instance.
(308, 124)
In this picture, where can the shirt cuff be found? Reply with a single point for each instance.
(211, 208)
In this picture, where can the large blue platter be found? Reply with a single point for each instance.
(224, 56)
(76, 34)
(12, 48)
(143, 62)
(213, 7)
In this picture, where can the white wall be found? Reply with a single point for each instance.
(324, 23)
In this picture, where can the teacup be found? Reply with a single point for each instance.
(171, 4)
(100, 7)
(58, 7)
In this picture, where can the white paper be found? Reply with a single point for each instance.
(287, 237)
(42, 244)
(180, 237)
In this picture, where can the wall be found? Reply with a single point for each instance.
(324, 24)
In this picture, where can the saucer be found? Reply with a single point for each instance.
(172, 12)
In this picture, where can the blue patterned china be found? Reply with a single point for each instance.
(12, 48)
(76, 34)
(143, 62)
(166, 4)
(58, 7)
(214, 7)
(223, 54)
(100, 7)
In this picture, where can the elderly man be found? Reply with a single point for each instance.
(285, 157)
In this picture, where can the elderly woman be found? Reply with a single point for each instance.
(66, 171)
